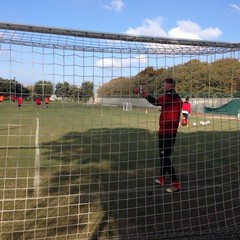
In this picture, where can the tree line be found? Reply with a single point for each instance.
(194, 78)
(43, 89)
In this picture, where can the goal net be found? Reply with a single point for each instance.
(79, 167)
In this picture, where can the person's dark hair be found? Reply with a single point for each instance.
(169, 80)
(187, 98)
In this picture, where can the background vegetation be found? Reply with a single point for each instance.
(42, 89)
(220, 78)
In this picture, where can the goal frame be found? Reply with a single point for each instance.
(112, 156)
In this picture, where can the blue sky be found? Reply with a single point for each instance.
(215, 20)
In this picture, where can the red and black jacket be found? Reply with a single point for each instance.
(171, 105)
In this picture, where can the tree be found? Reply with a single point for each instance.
(62, 89)
(197, 79)
(10, 87)
(116, 87)
(83, 93)
(192, 78)
(73, 93)
(86, 91)
(43, 88)
(149, 78)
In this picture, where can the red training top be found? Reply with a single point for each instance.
(38, 101)
(13, 98)
(171, 105)
(19, 100)
(186, 107)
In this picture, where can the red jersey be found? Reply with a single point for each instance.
(38, 102)
(13, 98)
(19, 100)
(171, 105)
(186, 107)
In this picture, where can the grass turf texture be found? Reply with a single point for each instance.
(97, 170)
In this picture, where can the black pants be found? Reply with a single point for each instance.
(166, 144)
(185, 115)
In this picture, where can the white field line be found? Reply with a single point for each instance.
(37, 162)
(9, 125)
(8, 134)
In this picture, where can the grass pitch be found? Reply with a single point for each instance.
(96, 174)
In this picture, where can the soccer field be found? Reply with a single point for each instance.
(74, 171)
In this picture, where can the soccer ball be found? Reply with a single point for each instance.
(204, 123)
(194, 124)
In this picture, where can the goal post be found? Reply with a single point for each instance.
(86, 171)
(127, 106)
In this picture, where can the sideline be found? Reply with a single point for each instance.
(37, 162)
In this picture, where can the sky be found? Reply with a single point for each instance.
(214, 20)
(209, 20)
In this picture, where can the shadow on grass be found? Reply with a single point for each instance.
(99, 185)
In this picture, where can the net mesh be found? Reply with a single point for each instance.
(82, 168)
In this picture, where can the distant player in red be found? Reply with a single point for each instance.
(38, 102)
(1, 99)
(19, 102)
(46, 102)
(13, 99)
(186, 110)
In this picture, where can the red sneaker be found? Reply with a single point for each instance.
(174, 188)
(160, 181)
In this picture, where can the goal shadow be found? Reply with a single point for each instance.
(107, 176)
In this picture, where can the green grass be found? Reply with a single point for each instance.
(97, 167)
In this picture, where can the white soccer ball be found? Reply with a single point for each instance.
(204, 123)
(194, 124)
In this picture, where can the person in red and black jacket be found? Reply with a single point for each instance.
(171, 105)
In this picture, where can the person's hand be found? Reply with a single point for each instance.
(138, 90)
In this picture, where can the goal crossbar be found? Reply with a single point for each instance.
(163, 45)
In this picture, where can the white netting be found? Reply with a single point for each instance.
(80, 167)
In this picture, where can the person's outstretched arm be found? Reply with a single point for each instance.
(150, 99)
